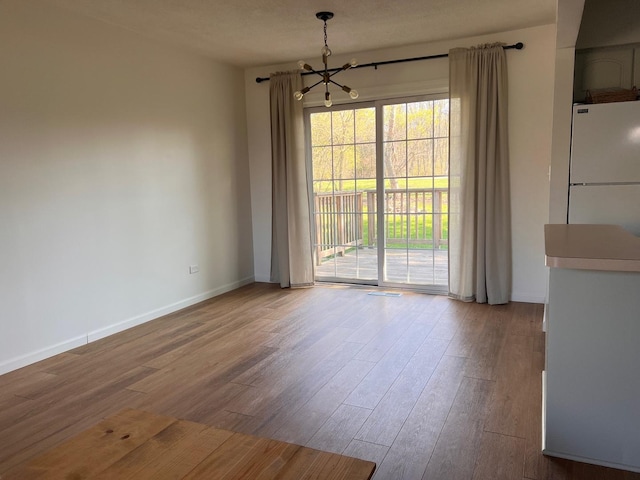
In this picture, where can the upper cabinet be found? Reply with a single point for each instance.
(607, 67)
(607, 47)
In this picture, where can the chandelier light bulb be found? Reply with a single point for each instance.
(327, 99)
(300, 93)
(352, 93)
(353, 63)
(326, 51)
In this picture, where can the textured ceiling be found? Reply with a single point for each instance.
(263, 32)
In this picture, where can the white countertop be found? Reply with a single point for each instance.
(591, 247)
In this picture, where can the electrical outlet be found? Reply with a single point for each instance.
(194, 269)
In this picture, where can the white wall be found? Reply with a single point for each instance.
(561, 143)
(122, 162)
(531, 83)
(569, 17)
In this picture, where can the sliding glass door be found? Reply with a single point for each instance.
(415, 161)
(343, 162)
(380, 192)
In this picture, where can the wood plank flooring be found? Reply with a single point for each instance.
(426, 387)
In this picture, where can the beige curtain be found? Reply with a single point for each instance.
(480, 212)
(291, 258)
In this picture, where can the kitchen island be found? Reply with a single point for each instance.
(591, 410)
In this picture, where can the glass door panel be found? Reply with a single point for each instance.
(343, 152)
(415, 186)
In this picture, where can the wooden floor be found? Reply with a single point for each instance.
(426, 387)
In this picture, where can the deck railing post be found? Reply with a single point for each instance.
(371, 218)
(319, 227)
(437, 218)
(359, 219)
(339, 225)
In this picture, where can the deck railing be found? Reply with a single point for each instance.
(348, 219)
(339, 222)
(407, 213)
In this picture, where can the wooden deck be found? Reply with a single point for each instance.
(419, 267)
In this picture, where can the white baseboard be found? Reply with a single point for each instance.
(527, 298)
(159, 312)
(592, 461)
(33, 357)
(263, 279)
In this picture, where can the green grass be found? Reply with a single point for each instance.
(419, 228)
(359, 185)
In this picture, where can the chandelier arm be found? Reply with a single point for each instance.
(316, 84)
(337, 70)
(314, 71)
(335, 83)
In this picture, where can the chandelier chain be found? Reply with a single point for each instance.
(325, 33)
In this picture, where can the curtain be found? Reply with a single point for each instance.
(291, 257)
(480, 212)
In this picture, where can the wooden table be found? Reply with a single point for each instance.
(140, 445)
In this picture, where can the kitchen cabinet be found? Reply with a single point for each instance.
(591, 384)
(608, 67)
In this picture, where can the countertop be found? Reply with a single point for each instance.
(591, 247)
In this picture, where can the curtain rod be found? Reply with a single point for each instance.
(516, 46)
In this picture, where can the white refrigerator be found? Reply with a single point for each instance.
(604, 179)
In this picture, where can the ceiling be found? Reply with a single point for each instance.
(266, 32)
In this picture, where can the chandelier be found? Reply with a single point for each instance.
(326, 75)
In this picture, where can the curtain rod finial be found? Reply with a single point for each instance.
(519, 46)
